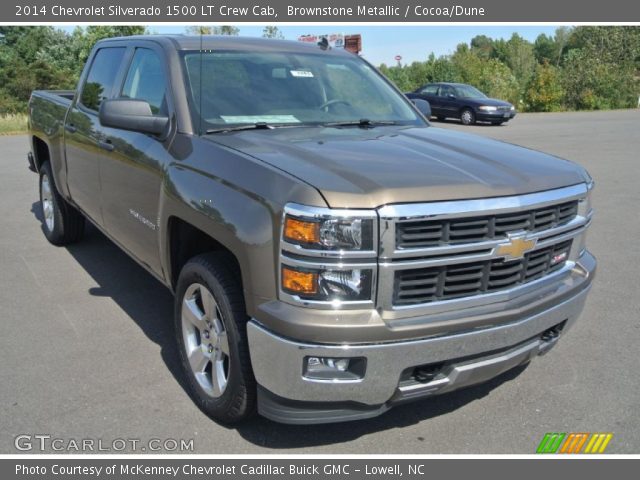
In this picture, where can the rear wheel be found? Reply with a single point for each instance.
(468, 117)
(211, 330)
(61, 223)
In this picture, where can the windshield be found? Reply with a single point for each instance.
(467, 91)
(232, 88)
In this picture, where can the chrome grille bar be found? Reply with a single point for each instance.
(551, 220)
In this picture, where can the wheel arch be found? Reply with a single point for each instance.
(41, 152)
(187, 241)
(467, 107)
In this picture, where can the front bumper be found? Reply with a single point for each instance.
(457, 359)
(483, 116)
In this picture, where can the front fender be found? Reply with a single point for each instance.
(238, 202)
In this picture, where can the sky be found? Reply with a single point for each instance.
(382, 43)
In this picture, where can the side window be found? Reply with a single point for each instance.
(446, 90)
(430, 90)
(101, 77)
(146, 81)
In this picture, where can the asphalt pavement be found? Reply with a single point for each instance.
(86, 346)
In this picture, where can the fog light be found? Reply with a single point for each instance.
(336, 369)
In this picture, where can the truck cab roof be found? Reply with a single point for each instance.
(228, 42)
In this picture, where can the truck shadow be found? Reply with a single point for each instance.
(150, 305)
(145, 300)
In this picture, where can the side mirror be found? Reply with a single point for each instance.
(423, 106)
(130, 114)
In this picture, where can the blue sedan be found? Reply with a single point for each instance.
(464, 102)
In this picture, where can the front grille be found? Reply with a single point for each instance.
(435, 233)
(424, 285)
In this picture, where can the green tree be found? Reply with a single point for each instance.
(271, 31)
(520, 59)
(213, 30)
(483, 46)
(398, 75)
(600, 69)
(23, 67)
(545, 92)
(491, 76)
(545, 49)
(561, 39)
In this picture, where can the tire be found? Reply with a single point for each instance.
(441, 118)
(467, 117)
(62, 224)
(211, 330)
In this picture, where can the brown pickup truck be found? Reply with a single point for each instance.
(331, 254)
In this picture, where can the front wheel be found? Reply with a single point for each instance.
(468, 117)
(210, 324)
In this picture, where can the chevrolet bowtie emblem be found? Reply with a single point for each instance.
(516, 247)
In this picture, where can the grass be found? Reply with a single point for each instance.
(13, 124)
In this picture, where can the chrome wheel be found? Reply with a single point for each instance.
(467, 117)
(205, 340)
(46, 199)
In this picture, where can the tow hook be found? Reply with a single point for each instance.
(549, 338)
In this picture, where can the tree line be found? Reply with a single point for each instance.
(581, 68)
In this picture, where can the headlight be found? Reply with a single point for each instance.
(326, 232)
(328, 257)
(488, 108)
(512, 108)
(330, 234)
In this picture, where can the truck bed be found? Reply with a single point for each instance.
(47, 111)
(47, 114)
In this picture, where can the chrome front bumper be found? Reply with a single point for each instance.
(467, 357)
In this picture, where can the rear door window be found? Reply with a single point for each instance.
(101, 78)
(146, 80)
(429, 90)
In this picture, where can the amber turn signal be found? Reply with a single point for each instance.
(295, 281)
(300, 231)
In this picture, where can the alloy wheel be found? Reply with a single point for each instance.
(205, 340)
(46, 197)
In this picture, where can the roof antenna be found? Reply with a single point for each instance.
(323, 43)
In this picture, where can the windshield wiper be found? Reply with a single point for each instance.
(252, 126)
(363, 122)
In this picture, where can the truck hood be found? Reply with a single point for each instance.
(367, 168)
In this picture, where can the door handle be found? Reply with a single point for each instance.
(106, 145)
(71, 128)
